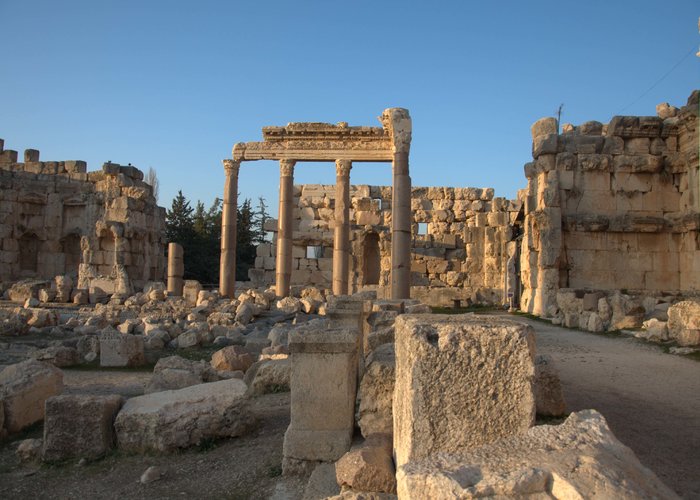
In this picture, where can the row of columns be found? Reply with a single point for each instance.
(400, 227)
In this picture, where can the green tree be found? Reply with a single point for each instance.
(245, 240)
(261, 216)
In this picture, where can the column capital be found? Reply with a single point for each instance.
(398, 123)
(287, 167)
(342, 168)
(231, 166)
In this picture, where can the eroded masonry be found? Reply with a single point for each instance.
(608, 209)
(99, 232)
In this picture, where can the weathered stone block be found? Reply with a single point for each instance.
(79, 426)
(374, 414)
(117, 349)
(579, 459)
(169, 420)
(454, 387)
(24, 387)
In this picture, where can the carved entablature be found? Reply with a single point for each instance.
(328, 142)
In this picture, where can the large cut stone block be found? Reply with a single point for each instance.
(168, 420)
(79, 426)
(376, 392)
(24, 387)
(579, 459)
(118, 349)
(323, 383)
(461, 381)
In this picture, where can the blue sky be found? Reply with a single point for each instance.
(173, 85)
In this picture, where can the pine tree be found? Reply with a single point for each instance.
(261, 216)
(245, 240)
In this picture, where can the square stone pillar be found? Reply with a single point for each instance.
(229, 223)
(284, 229)
(323, 383)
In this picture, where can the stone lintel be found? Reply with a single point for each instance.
(251, 151)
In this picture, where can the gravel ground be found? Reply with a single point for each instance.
(650, 399)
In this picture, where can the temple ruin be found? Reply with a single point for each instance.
(323, 142)
(102, 230)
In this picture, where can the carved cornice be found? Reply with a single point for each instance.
(342, 168)
(287, 167)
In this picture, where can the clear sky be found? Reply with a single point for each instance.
(173, 85)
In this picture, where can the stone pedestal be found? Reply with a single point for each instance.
(176, 269)
(341, 241)
(284, 230)
(229, 220)
(323, 384)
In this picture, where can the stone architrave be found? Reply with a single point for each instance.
(284, 228)
(323, 384)
(341, 241)
(227, 279)
(461, 381)
(176, 269)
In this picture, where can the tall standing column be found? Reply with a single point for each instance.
(398, 123)
(229, 223)
(284, 229)
(341, 241)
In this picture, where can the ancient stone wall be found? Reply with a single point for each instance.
(462, 239)
(102, 227)
(612, 207)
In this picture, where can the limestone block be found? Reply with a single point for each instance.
(190, 291)
(117, 349)
(79, 426)
(374, 414)
(453, 385)
(231, 358)
(545, 144)
(586, 144)
(637, 145)
(174, 372)
(369, 467)
(24, 387)
(580, 458)
(549, 397)
(684, 322)
(544, 126)
(169, 420)
(613, 145)
(323, 384)
(270, 376)
(637, 163)
(59, 356)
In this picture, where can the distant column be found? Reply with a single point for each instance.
(176, 269)
(398, 122)
(341, 241)
(227, 267)
(284, 229)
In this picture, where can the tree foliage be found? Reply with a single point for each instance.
(198, 230)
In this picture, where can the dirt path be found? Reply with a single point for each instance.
(650, 399)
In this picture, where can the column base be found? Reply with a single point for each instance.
(316, 445)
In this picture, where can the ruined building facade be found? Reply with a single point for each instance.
(103, 229)
(608, 208)
(461, 241)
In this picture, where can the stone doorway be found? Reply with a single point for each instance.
(29, 253)
(371, 259)
(70, 246)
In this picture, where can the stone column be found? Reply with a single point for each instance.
(229, 220)
(284, 229)
(176, 269)
(398, 124)
(341, 241)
